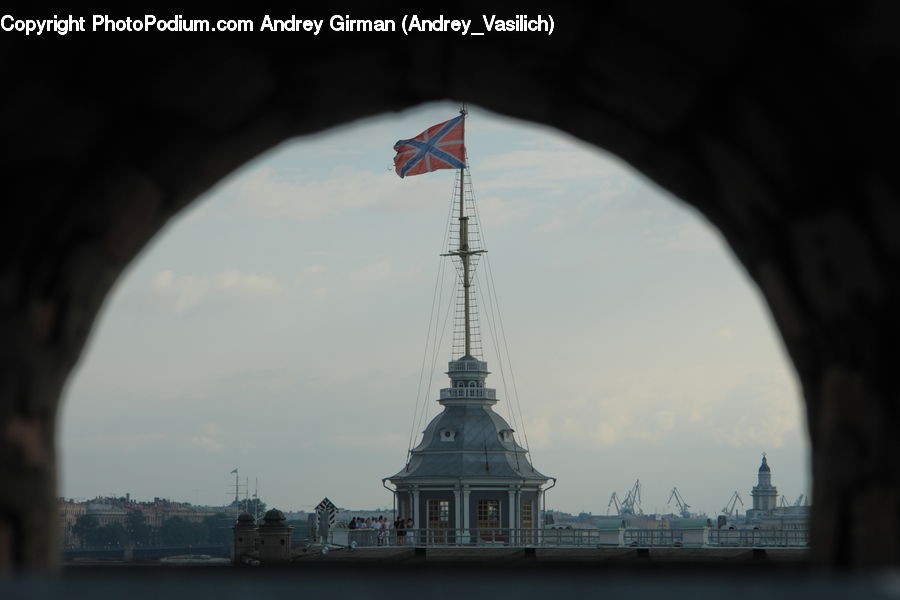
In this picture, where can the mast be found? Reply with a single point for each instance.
(465, 253)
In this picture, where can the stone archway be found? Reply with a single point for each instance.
(779, 128)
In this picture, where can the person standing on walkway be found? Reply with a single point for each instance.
(400, 530)
(410, 532)
(376, 526)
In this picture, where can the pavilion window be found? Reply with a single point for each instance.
(438, 514)
(438, 520)
(527, 522)
(488, 515)
(527, 519)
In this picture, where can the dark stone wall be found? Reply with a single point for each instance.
(777, 121)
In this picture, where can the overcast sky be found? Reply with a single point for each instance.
(278, 326)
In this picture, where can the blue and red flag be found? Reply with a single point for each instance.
(438, 147)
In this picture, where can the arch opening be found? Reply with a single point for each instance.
(292, 237)
(801, 190)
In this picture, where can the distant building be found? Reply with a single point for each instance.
(787, 518)
(109, 510)
(106, 514)
(160, 510)
(765, 495)
(766, 514)
(69, 511)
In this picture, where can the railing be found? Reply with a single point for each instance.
(467, 365)
(572, 538)
(467, 392)
(442, 537)
(758, 538)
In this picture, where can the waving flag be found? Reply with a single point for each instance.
(438, 147)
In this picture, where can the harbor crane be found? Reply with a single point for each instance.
(631, 505)
(614, 501)
(797, 502)
(683, 507)
(731, 507)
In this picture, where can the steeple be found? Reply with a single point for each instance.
(765, 474)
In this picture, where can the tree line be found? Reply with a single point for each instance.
(174, 531)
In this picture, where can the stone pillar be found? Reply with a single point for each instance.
(466, 524)
(512, 511)
(541, 508)
(457, 512)
(415, 507)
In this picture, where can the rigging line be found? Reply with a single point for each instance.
(421, 397)
(493, 305)
(508, 360)
(434, 362)
(431, 322)
(489, 316)
(490, 273)
(439, 343)
(477, 350)
(435, 300)
(495, 339)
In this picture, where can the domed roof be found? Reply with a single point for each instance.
(245, 519)
(469, 440)
(274, 517)
(764, 467)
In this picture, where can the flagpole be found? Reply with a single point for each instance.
(410, 153)
(464, 247)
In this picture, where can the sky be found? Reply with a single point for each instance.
(278, 326)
